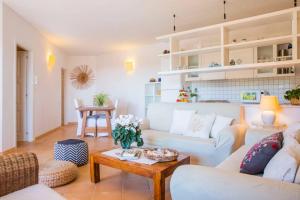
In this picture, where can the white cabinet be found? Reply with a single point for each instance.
(240, 74)
(170, 86)
(152, 93)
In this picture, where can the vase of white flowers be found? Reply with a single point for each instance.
(127, 131)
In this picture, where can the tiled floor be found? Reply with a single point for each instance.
(114, 185)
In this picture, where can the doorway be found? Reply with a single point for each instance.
(22, 88)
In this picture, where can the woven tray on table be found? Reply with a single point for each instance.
(161, 155)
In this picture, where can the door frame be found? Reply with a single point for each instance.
(30, 95)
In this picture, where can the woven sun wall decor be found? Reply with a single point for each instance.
(82, 77)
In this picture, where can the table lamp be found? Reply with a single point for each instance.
(269, 104)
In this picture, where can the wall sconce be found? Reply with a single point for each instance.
(129, 66)
(51, 61)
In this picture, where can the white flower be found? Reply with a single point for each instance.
(128, 121)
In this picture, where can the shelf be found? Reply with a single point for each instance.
(198, 51)
(262, 42)
(233, 68)
(273, 17)
(164, 55)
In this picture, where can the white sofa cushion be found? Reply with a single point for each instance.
(283, 166)
(200, 125)
(233, 162)
(181, 120)
(160, 114)
(35, 192)
(220, 123)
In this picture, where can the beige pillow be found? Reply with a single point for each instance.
(283, 166)
(200, 125)
(181, 120)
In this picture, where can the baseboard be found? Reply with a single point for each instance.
(47, 133)
(8, 151)
(71, 123)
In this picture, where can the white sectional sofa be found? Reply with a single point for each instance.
(208, 152)
(226, 183)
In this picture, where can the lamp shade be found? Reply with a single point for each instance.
(269, 103)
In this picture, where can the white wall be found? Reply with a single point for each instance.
(1, 71)
(86, 95)
(46, 93)
(111, 78)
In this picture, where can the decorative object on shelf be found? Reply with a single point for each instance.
(100, 99)
(214, 64)
(183, 96)
(232, 62)
(234, 41)
(293, 96)
(269, 105)
(244, 40)
(166, 52)
(159, 79)
(152, 80)
(127, 131)
(161, 154)
(239, 61)
(194, 95)
(82, 77)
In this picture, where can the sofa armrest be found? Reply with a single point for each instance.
(145, 124)
(18, 171)
(233, 135)
(216, 184)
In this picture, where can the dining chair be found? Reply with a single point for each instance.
(91, 121)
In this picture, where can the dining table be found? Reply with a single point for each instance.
(88, 111)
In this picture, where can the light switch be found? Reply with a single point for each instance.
(35, 80)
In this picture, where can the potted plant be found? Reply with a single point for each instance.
(100, 99)
(127, 131)
(293, 95)
(194, 97)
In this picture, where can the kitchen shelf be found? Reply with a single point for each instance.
(221, 51)
(233, 68)
(197, 51)
(261, 42)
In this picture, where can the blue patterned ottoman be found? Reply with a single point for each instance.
(73, 150)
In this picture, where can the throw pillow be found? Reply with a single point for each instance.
(283, 166)
(219, 124)
(200, 125)
(181, 120)
(261, 153)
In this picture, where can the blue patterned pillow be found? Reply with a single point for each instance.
(261, 153)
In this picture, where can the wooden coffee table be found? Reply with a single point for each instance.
(158, 171)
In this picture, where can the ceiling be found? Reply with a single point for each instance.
(92, 27)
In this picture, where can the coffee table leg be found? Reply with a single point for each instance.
(94, 170)
(159, 187)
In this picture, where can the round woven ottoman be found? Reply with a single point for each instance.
(57, 172)
(73, 150)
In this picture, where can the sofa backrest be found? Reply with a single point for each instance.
(160, 114)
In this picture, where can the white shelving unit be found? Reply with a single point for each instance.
(251, 39)
(152, 93)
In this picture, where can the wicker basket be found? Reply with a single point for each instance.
(148, 153)
(295, 101)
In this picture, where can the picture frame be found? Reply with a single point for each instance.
(250, 96)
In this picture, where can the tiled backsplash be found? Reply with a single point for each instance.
(230, 89)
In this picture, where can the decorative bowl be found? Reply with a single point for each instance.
(161, 154)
